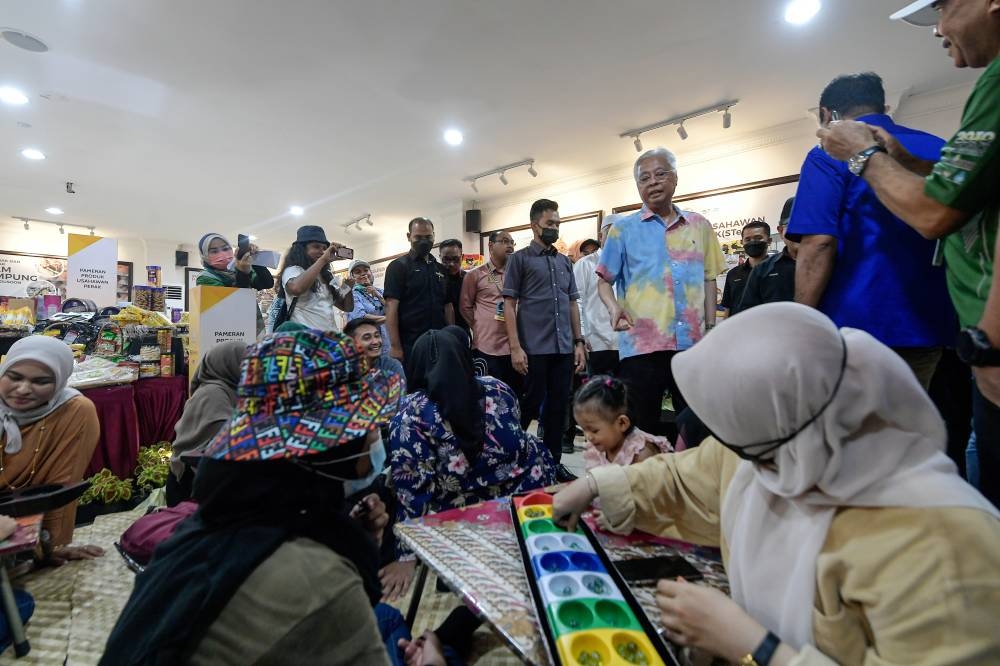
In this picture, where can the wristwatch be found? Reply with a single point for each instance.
(762, 655)
(857, 164)
(579, 341)
(974, 348)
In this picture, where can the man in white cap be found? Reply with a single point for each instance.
(956, 198)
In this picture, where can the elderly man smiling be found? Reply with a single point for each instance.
(663, 262)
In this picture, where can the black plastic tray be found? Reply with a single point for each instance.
(543, 618)
(39, 499)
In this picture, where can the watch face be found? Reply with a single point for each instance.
(855, 164)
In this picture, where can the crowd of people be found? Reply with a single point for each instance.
(801, 440)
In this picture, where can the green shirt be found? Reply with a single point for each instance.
(968, 179)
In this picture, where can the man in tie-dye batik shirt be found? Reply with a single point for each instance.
(663, 263)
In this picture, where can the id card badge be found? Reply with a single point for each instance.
(499, 313)
(938, 259)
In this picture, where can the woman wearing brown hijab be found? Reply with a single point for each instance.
(49, 431)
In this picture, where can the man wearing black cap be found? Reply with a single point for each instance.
(773, 279)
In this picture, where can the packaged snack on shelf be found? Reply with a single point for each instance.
(166, 365)
(96, 371)
(149, 369)
(153, 276)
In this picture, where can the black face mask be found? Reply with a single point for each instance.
(760, 452)
(549, 235)
(422, 247)
(755, 248)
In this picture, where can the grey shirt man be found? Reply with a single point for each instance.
(542, 281)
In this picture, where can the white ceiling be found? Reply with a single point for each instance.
(177, 117)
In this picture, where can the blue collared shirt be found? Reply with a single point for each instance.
(883, 279)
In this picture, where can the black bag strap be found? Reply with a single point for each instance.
(291, 308)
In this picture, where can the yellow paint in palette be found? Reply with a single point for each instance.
(607, 647)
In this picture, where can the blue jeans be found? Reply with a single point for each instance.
(392, 627)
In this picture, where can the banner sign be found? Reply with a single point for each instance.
(220, 314)
(93, 269)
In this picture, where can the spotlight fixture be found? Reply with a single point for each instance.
(28, 221)
(727, 121)
(12, 96)
(501, 171)
(33, 154)
(297, 211)
(355, 222)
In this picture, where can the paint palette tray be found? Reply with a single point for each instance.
(587, 613)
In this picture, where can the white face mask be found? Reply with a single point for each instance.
(376, 455)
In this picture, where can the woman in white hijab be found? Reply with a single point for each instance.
(847, 535)
(49, 431)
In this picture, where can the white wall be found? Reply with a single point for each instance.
(46, 239)
(771, 153)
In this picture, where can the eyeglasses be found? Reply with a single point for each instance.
(658, 175)
(504, 241)
(451, 260)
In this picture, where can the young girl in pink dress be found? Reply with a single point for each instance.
(602, 409)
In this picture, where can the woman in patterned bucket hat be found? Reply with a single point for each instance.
(272, 562)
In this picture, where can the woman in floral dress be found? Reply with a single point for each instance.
(457, 439)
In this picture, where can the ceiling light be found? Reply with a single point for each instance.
(503, 179)
(297, 211)
(453, 137)
(798, 12)
(12, 96)
(681, 132)
(474, 188)
(638, 144)
(727, 120)
(369, 220)
(23, 40)
(252, 237)
(531, 170)
(54, 211)
(26, 225)
(33, 154)
(61, 230)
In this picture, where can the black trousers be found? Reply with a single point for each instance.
(546, 397)
(647, 377)
(986, 421)
(501, 368)
(604, 363)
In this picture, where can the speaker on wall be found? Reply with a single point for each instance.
(473, 220)
(180, 258)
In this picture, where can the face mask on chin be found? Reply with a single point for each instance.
(549, 235)
(755, 249)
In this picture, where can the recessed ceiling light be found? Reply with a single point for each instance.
(798, 12)
(54, 211)
(252, 237)
(453, 137)
(297, 211)
(33, 154)
(13, 96)
(23, 40)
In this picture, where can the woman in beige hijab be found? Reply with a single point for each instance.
(847, 535)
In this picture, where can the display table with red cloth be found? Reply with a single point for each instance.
(141, 413)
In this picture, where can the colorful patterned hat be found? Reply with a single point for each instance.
(304, 393)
